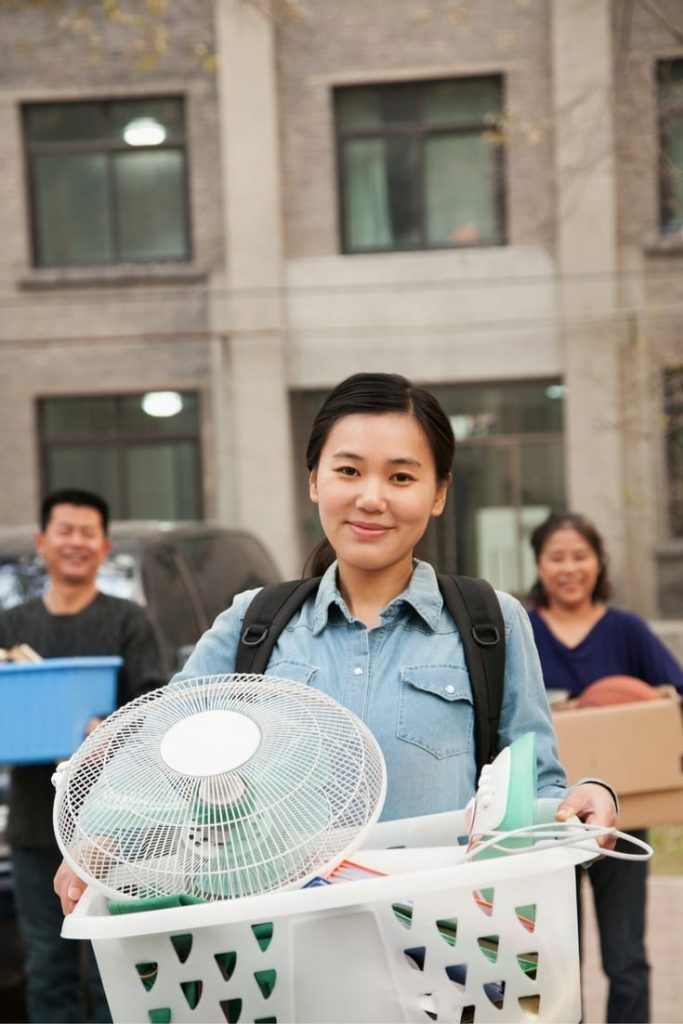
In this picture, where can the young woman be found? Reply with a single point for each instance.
(376, 635)
(581, 640)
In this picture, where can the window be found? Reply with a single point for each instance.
(107, 181)
(420, 164)
(146, 466)
(508, 474)
(673, 407)
(671, 135)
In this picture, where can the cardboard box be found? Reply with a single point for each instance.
(637, 748)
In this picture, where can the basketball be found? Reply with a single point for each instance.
(616, 690)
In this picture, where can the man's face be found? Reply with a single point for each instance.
(73, 544)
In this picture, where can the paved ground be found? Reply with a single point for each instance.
(665, 950)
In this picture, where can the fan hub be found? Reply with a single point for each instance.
(210, 743)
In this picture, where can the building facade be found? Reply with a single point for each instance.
(484, 197)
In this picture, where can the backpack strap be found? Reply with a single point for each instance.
(476, 612)
(266, 617)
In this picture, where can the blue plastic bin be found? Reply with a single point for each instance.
(46, 705)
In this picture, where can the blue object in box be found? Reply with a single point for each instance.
(46, 705)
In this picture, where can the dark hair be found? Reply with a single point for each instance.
(364, 393)
(590, 533)
(73, 496)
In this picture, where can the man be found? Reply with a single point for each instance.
(72, 619)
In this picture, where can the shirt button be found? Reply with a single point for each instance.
(450, 689)
(358, 671)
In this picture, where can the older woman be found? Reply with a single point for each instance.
(580, 639)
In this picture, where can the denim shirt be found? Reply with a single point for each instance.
(406, 678)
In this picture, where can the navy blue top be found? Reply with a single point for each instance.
(620, 643)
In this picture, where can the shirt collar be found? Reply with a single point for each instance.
(422, 594)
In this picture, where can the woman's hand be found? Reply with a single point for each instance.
(68, 886)
(594, 804)
(95, 857)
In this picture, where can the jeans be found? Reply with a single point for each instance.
(619, 894)
(57, 988)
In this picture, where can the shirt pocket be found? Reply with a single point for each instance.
(297, 671)
(435, 709)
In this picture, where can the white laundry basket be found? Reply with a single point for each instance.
(439, 939)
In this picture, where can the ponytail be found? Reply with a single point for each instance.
(319, 560)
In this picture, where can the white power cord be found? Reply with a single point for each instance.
(554, 834)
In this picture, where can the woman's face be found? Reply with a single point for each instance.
(568, 568)
(376, 488)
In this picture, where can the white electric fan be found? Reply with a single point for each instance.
(218, 787)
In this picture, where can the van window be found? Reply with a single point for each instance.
(22, 577)
(169, 604)
(222, 565)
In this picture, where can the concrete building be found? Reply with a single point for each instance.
(484, 197)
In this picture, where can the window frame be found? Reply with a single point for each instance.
(419, 130)
(120, 440)
(672, 389)
(106, 147)
(667, 225)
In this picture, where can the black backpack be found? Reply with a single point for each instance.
(475, 610)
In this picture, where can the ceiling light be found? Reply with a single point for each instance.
(144, 131)
(162, 403)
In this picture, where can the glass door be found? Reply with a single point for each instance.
(502, 489)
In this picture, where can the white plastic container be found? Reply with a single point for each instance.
(423, 943)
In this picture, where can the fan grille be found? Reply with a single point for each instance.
(136, 827)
